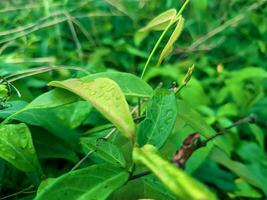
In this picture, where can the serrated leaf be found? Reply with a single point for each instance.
(105, 95)
(161, 21)
(17, 148)
(130, 84)
(175, 35)
(160, 118)
(104, 150)
(94, 182)
(173, 178)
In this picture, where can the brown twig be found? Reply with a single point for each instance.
(192, 143)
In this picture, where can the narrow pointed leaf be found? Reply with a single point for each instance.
(161, 21)
(106, 96)
(16, 147)
(173, 178)
(160, 119)
(175, 35)
(94, 182)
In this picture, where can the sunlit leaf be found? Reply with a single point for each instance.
(130, 84)
(17, 148)
(176, 180)
(94, 182)
(169, 46)
(161, 21)
(160, 118)
(105, 95)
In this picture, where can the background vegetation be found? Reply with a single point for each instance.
(227, 42)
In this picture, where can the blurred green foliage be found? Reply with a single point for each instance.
(227, 42)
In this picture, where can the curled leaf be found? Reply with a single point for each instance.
(175, 35)
(161, 21)
(106, 96)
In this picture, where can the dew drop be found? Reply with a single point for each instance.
(23, 142)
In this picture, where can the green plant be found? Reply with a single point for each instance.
(115, 136)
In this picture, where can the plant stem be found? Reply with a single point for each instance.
(133, 177)
(249, 119)
(155, 48)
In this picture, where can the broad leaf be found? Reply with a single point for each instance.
(169, 46)
(105, 95)
(176, 180)
(130, 84)
(17, 148)
(51, 99)
(52, 147)
(94, 182)
(104, 150)
(161, 21)
(160, 118)
(48, 119)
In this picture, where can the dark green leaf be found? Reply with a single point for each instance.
(104, 150)
(94, 182)
(160, 118)
(17, 148)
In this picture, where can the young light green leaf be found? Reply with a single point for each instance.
(161, 21)
(245, 190)
(176, 180)
(94, 182)
(105, 95)
(169, 46)
(104, 150)
(160, 119)
(130, 84)
(17, 148)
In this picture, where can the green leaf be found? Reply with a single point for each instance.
(51, 99)
(196, 121)
(160, 118)
(48, 119)
(3, 91)
(94, 182)
(74, 114)
(249, 174)
(17, 148)
(245, 190)
(175, 35)
(161, 21)
(105, 95)
(176, 180)
(48, 146)
(130, 84)
(104, 150)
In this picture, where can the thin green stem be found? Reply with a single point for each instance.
(155, 48)
(161, 37)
